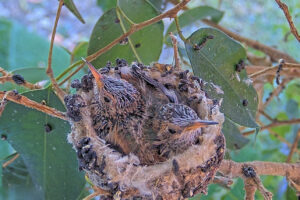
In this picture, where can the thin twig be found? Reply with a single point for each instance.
(294, 147)
(285, 10)
(282, 139)
(175, 48)
(267, 69)
(19, 99)
(72, 74)
(274, 124)
(233, 169)
(276, 92)
(10, 161)
(179, 29)
(223, 181)
(172, 13)
(25, 84)
(274, 54)
(49, 71)
(3, 72)
(266, 115)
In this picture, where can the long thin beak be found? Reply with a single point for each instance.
(198, 124)
(98, 77)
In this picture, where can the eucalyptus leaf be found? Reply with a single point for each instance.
(80, 51)
(234, 139)
(17, 183)
(20, 48)
(106, 5)
(50, 160)
(144, 46)
(71, 6)
(190, 16)
(214, 61)
(32, 74)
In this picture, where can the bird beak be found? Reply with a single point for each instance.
(98, 77)
(198, 124)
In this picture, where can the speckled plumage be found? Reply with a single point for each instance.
(147, 112)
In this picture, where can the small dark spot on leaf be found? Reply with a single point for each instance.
(48, 128)
(137, 45)
(245, 102)
(18, 79)
(196, 47)
(117, 21)
(124, 41)
(3, 137)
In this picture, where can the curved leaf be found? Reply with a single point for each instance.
(32, 74)
(20, 48)
(71, 6)
(234, 139)
(17, 182)
(106, 4)
(189, 17)
(50, 160)
(215, 63)
(144, 46)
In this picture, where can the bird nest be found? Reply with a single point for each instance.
(112, 119)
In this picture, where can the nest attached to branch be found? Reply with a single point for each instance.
(124, 176)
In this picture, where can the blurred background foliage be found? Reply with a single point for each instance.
(258, 19)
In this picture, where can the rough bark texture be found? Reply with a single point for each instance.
(125, 176)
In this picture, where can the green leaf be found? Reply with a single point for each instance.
(5, 149)
(17, 183)
(106, 4)
(234, 138)
(215, 63)
(20, 48)
(144, 46)
(190, 16)
(290, 193)
(71, 6)
(32, 74)
(157, 4)
(80, 51)
(50, 160)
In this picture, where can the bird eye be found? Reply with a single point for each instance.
(172, 131)
(107, 100)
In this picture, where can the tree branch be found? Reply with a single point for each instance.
(274, 54)
(19, 99)
(294, 147)
(274, 124)
(234, 169)
(285, 10)
(134, 28)
(26, 84)
(49, 71)
(274, 69)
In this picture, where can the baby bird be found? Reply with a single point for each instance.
(179, 127)
(154, 133)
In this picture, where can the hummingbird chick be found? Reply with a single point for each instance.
(179, 128)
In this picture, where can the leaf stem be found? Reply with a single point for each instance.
(172, 13)
(124, 15)
(124, 31)
(49, 71)
(179, 29)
